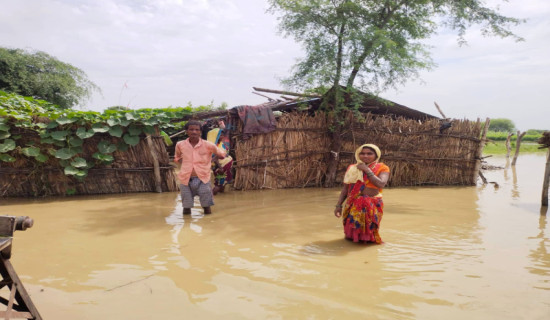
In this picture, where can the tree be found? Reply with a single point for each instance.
(376, 42)
(42, 76)
(502, 125)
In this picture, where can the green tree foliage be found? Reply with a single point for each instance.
(502, 125)
(42, 76)
(378, 43)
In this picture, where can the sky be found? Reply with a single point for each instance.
(160, 53)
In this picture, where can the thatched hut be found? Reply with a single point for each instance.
(420, 149)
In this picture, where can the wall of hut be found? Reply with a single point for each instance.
(291, 156)
(131, 171)
(417, 152)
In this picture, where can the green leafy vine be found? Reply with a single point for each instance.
(63, 132)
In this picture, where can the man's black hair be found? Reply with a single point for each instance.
(193, 123)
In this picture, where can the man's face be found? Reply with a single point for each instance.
(194, 131)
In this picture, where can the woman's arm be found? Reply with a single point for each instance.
(218, 152)
(379, 181)
(341, 199)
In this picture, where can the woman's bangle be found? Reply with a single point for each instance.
(370, 174)
(338, 206)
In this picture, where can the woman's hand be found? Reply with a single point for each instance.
(363, 167)
(338, 212)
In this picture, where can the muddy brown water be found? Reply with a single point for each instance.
(475, 252)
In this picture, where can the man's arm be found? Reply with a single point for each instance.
(177, 155)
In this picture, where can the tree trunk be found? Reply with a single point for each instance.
(334, 157)
(518, 143)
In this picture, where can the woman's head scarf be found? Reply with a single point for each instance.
(353, 174)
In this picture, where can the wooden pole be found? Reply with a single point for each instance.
(479, 151)
(508, 147)
(544, 199)
(156, 166)
(287, 93)
(439, 109)
(518, 142)
(263, 95)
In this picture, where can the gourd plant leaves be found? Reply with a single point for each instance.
(149, 129)
(134, 130)
(6, 158)
(4, 134)
(52, 125)
(72, 171)
(64, 153)
(82, 133)
(65, 120)
(100, 127)
(47, 140)
(113, 122)
(130, 116)
(131, 140)
(8, 145)
(106, 147)
(59, 135)
(79, 162)
(41, 158)
(105, 158)
(69, 170)
(75, 141)
(31, 151)
(115, 131)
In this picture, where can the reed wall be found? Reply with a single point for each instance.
(417, 152)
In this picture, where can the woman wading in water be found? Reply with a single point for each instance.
(362, 192)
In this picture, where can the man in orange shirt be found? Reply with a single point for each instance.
(195, 157)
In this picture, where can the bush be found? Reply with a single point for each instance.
(501, 136)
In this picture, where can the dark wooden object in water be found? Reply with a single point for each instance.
(546, 181)
(19, 304)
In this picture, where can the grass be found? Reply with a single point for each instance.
(499, 147)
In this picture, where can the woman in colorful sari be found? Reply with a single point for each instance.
(362, 192)
(221, 168)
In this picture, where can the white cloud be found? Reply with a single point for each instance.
(170, 52)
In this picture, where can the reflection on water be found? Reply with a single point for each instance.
(515, 190)
(453, 253)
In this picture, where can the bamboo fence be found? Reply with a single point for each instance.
(417, 152)
(131, 171)
(291, 156)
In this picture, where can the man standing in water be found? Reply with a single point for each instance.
(194, 155)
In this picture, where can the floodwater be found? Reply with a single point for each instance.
(449, 253)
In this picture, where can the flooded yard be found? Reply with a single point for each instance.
(477, 252)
